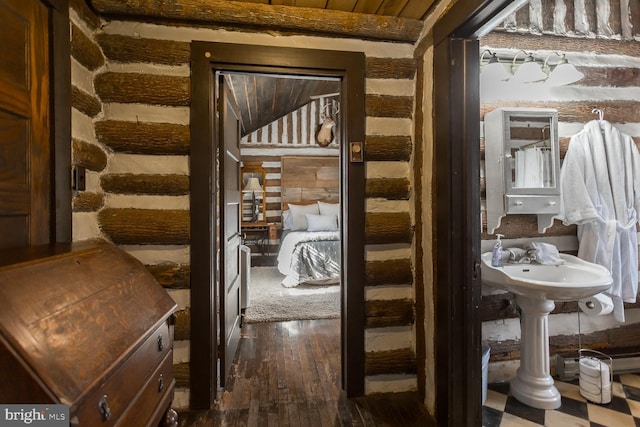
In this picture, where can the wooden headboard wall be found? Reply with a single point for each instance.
(309, 179)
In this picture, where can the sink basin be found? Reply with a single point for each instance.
(571, 281)
(536, 287)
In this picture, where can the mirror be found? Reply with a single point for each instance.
(522, 165)
(253, 195)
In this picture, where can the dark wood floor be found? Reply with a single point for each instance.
(288, 374)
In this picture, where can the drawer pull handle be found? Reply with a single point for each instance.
(160, 383)
(104, 407)
(160, 343)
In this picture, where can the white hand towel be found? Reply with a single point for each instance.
(544, 253)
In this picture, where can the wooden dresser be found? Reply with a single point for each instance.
(88, 326)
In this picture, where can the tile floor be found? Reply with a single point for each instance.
(502, 410)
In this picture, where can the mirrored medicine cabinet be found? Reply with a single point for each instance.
(522, 164)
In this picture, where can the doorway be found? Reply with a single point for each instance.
(457, 198)
(208, 59)
(291, 254)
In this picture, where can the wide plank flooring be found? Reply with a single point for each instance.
(288, 374)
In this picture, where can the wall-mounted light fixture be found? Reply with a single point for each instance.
(492, 71)
(563, 73)
(527, 69)
(527, 72)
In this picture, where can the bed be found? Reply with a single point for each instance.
(310, 247)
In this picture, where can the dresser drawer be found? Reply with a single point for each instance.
(526, 204)
(145, 408)
(105, 405)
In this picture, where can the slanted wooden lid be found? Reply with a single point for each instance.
(72, 315)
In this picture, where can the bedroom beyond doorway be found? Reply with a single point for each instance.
(269, 301)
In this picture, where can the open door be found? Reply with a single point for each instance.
(230, 237)
(25, 142)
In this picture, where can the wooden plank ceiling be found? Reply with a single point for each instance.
(263, 99)
(411, 9)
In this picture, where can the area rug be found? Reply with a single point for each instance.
(269, 301)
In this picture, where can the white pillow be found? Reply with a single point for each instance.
(322, 222)
(329, 209)
(287, 220)
(298, 213)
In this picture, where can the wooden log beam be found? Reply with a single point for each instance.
(563, 145)
(388, 313)
(390, 68)
(390, 272)
(274, 206)
(498, 306)
(503, 40)
(182, 328)
(266, 17)
(88, 202)
(502, 306)
(388, 188)
(607, 341)
(145, 226)
(571, 111)
(181, 374)
(144, 138)
(390, 362)
(88, 155)
(153, 89)
(85, 102)
(609, 76)
(388, 148)
(388, 106)
(171, 275)
(85, 13)
(388, 227)
(84, 50)
(127, 183)
(519, 226)
(126, 49)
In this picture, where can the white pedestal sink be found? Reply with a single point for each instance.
(536, 288)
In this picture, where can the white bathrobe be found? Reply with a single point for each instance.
(600, 181)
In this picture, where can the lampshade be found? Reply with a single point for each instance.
(494, 71)
(253, 185)
(530, 71)
(564, 74)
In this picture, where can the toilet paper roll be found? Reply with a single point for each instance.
(597, 305)
(594, 368)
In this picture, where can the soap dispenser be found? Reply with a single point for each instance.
(496, 255)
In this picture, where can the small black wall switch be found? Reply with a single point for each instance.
(79, 179)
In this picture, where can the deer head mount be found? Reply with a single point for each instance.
(324, 136)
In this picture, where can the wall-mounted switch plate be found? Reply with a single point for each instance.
(356, 154)
(79, 179)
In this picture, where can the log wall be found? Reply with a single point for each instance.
(604, 46)
(132, 133)
(298, 128)
(134, 141)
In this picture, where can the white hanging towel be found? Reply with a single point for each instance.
(600, 181)
(529, 168)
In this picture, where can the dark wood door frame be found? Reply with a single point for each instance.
(456, 217)
(61, 120)
(59, 116)
(206, 59)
